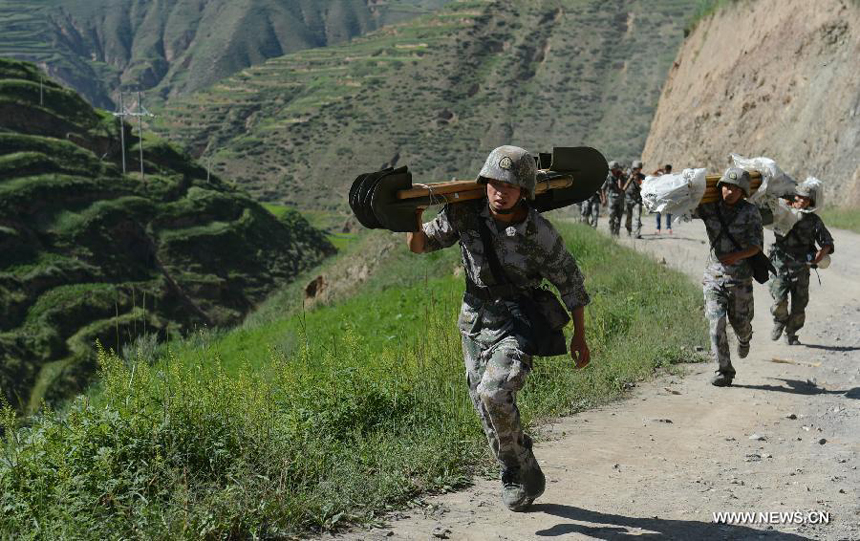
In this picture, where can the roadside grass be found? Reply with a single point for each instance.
(842, 218)
(329, 416)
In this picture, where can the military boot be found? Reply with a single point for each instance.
(791, 339)
(777, 331)
(514, 494)
(723, 379)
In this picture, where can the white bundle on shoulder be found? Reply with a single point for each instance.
(774, 182)
(677, 193)
(784, 215)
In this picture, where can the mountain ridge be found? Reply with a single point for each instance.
(100, 46)
(436, 93)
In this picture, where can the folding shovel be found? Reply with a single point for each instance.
(388, 199)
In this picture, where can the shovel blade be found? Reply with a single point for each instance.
(588, 168)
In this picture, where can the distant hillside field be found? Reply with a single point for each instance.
(96, 45)
(778, 78)
(437, 93)
(91, 254)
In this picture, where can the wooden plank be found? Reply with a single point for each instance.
(461, 186)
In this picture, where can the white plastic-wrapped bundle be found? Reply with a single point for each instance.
(784, 215)
(774, 182)
(678, 193)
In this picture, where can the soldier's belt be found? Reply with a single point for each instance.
(387, 199)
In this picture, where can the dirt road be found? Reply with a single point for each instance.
(784, 438)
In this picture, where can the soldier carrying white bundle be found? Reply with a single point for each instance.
(793, 253)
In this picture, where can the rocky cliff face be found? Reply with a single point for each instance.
(779, 78)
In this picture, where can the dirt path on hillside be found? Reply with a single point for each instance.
(785, 437)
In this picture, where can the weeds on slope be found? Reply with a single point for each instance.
(340, 427)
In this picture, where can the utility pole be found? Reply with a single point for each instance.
(140, 113)
(122, 130)
(140, 132)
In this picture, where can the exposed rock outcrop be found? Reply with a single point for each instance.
(779, 78)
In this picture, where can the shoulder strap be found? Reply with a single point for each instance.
(499, 275)
(725, 229)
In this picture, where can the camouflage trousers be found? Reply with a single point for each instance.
(794, 283)
(730, 301)
(495, 375)
(616, 210)
(590, 212)
(633, 220)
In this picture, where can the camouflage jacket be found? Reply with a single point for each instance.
(744, 225)
(611, 185)
(529, 251)
(790, 251)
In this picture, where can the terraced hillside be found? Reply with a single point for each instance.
(96, 45)
(91, 254)
(437, 93)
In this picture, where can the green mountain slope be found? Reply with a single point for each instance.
(437, 93)
(89, 253)
(97, 45)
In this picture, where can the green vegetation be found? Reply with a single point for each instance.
(96, 46)
(315, 419)
(435, 93)
(703, 10)
(90, 253)
(842, 218)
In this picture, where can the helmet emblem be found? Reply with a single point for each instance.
(733, 176)
(506, 163)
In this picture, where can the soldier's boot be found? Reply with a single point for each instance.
(777, 331)
(791, 339)
(531, 474)
(743, 349)
(723, 378)
(514, 494)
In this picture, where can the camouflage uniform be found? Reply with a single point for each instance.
(615, 201)
(496, 366)
(789, 255)
(728, 288)
(591, 210)
(633, 208)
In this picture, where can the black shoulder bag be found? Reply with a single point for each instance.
(539, 316)
(761, 265)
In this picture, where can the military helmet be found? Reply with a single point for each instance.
(614, 165)
(738, 177)
(805, 189)
(637, 164)
(513, 165)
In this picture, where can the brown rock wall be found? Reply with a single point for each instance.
(779, 78)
